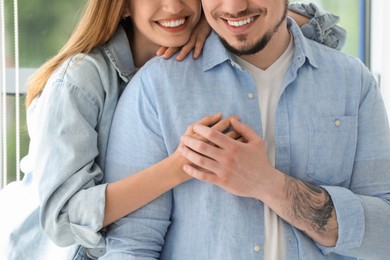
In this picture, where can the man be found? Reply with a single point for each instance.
(311, 180)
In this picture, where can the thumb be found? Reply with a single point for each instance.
(244, 130)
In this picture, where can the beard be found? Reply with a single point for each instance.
(250, 49)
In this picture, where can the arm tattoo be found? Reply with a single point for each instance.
(309, 203)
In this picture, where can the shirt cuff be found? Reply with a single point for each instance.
(86, 215)
(322, 26)
(350, 219)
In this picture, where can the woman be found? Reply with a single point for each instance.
(71, 101)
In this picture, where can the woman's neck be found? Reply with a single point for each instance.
(142, 48)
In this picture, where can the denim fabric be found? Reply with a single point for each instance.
(322, 26)
(68, 126)
(331, 129)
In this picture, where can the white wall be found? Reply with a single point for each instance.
(380, 46)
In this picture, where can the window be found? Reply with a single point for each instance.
(43, 27)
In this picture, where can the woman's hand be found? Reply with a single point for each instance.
(198, 37)
(213, 122)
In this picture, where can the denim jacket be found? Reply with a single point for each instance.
(68, 126)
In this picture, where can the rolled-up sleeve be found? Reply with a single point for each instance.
(65, 148)
(322, 26)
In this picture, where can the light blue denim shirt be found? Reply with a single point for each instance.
(69, 125)
(331, 130)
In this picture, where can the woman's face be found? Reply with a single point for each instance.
(164, 22)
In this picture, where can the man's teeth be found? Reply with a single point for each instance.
(240, 23)
(173, 23)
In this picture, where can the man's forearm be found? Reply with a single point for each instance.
(307, 207)
(311, 210)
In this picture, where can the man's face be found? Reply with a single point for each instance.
(245, 26)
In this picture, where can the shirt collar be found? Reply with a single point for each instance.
(216, 53)
(303, 50)
(118, 51)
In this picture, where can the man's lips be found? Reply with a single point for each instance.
(239, 25)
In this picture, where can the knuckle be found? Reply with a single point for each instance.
(201, 161)
(202, 147)
(210, 135)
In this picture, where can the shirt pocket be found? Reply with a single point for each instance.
(332, 146)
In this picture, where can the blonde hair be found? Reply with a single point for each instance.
(97, 25)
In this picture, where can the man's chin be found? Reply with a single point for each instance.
(241, 48)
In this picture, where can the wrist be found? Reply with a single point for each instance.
(175, 164)
(272, 187)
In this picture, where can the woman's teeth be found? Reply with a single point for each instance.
(172, 23)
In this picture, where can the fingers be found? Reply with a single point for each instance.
(210, 120)
(213, 136)
(161, 51)
(166, 52)
(200, 40)
(202, 31)
(201, 157)
(217, 124)
(196, 41)
(224, 124)
(241, 139)
(244, 130)
(200, 174)
(233, 135)
(206, 121)
(169, 52)
(186, 48)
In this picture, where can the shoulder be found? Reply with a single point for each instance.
(336, 61)
(338, 73)
(91, 75)
(159, 69)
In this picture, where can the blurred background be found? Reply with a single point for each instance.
(32, 31)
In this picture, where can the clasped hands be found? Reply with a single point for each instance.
(236, 161)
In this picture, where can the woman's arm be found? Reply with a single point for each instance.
(318, 25)
(131, 193)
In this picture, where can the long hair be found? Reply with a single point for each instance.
(96, 26)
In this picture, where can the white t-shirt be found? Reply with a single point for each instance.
(269, 84)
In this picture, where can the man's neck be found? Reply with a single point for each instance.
(274, 49)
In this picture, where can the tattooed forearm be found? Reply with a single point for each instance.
(309, 204)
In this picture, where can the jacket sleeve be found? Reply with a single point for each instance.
(322, 26)
(65, 148)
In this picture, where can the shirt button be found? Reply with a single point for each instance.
(251, 95)
(257, 248)
(337, 122)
